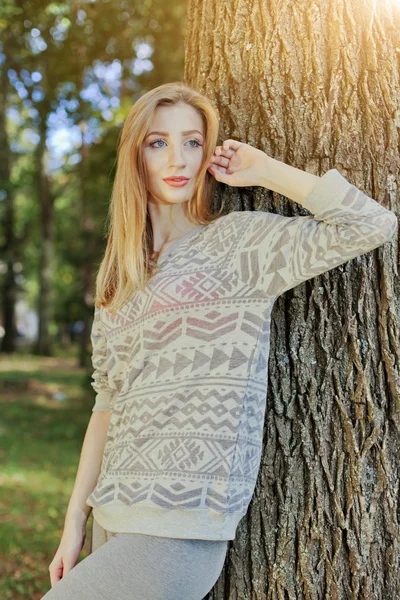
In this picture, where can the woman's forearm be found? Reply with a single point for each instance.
(289, 181)
(88, 468)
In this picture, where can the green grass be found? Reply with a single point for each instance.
(40, 442)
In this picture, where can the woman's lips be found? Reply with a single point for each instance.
(176, 182)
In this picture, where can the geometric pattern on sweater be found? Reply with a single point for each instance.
(183, 366)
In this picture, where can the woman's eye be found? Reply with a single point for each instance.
(156, 142)
(197, 142)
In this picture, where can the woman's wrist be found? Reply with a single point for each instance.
(289, 181)
(77, 517)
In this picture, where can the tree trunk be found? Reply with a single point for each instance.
(87, 235)
(44, 304)
(9, 245)
(315, 85)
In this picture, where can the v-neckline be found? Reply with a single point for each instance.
(183, 237)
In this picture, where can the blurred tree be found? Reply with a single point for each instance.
(8, 245)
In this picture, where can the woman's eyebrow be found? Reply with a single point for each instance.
(167, 134)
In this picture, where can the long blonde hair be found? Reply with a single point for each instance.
(126, 266)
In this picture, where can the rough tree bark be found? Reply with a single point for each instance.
(316, 85)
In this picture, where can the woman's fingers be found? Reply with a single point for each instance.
(231, 145)
(224, 151)
(220, 160)
(214, 168)
(223, 154)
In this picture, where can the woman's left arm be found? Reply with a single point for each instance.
(275, 253)
(293, 183)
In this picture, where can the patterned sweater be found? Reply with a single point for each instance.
(183, 366)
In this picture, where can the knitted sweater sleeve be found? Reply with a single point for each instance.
(104, 394)
(276, 253)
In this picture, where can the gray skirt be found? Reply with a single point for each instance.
(133, 566)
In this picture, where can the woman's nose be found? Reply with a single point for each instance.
(175, 156)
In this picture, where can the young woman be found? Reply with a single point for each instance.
(180, 347)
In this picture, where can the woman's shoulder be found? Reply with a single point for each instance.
(222, 235)
(234, 216)
(240, 220)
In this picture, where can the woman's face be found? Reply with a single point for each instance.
(175, 151)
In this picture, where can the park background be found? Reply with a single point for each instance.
(70, 72)
(313, 83)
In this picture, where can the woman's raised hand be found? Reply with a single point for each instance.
(238, 164)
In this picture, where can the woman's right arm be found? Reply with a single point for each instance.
(78, 511)
(88, 469)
